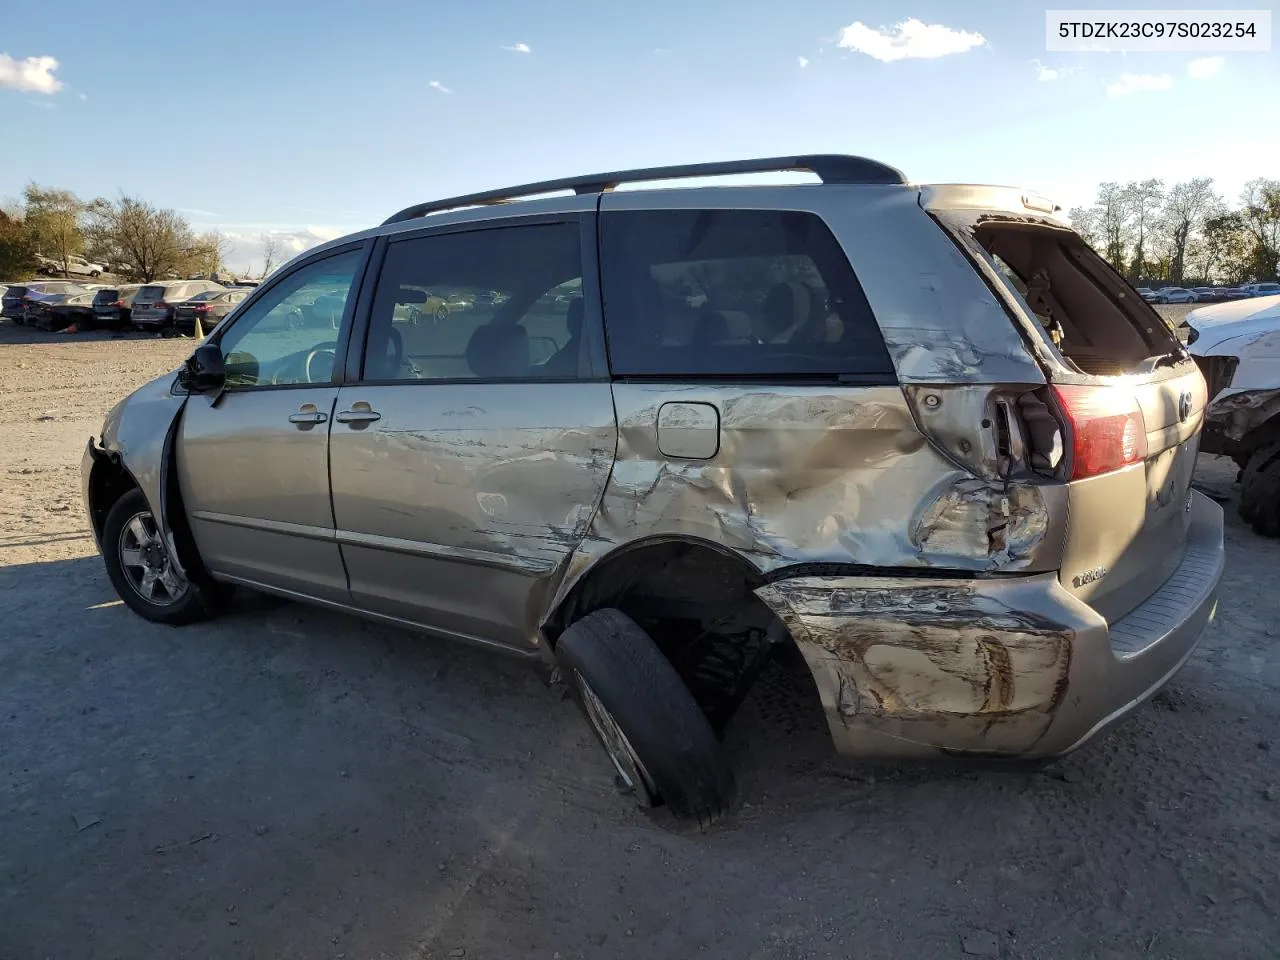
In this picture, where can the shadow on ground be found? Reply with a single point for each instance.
(286, 782)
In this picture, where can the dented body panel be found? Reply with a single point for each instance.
(1239, 343)
(136, 435)
(1007, 667)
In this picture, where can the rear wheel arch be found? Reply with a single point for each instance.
(697, 600)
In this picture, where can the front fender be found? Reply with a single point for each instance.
(138, 436)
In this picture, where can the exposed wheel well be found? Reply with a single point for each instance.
(108, 482)
(1264, 434)
(697, 602)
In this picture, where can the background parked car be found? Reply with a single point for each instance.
(80, 267)
(43, 311)
(70, 309)
(19, 298)
(113, 306)
(1262, 289)
(210, 307)
(154, 304)
(1175, 295)
(1204, 294)
(1147, 294)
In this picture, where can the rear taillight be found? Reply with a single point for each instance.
(202, 308)
(1106, 427)
(119, 303)
(160, 305)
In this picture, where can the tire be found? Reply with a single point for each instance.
(175, 600)
(95, 274)
(667, 752)
(1260, 491)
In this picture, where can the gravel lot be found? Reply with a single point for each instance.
(291, 783)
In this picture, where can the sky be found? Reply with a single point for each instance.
(309, 120)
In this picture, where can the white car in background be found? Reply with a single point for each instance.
(1237, 346)
(1262, 289)
(1174, 295)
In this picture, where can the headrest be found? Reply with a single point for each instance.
(787, 305)
(499, 351)
(573, 319)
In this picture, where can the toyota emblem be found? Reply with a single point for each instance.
(1184, 406)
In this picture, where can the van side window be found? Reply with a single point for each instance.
(733, 292)
(495, 304)
(289, 336)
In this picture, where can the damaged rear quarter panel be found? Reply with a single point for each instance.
(918, 668)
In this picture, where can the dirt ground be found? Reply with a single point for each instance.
(290, 783)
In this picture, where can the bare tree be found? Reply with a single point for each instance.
(154, 242)
(53, 222)
(1113, 218)
(1085, 221)
(1260, 213)
(1185, 208)
(205, 254)
(1144, 199)
(270, 253)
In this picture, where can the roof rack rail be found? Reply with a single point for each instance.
(829, 167)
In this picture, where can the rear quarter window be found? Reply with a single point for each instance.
(734, 294)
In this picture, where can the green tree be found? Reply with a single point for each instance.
(1222, 249)
(17, 254)
(1260, 214)
(53, 222)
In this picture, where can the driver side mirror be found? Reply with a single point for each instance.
(205, 369)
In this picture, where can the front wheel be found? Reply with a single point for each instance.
(141, 570)
(659, 741)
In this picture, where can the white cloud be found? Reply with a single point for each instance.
(196, 212)
(437, 85)
(803, 61)
(910, 39)
(83, 96)
(1205, 68)
(246, 243)
(1139, 83)
(1049, 74)
(32, 75)
(518, 48)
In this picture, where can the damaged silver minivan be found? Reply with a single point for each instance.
(921, 434)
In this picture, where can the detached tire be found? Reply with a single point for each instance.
(139, 568)
(1260, 491)
(645, 717)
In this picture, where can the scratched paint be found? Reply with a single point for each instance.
(905, 666)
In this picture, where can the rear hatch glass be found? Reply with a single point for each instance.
(105, 298)
(1128, 395)
(149, 295)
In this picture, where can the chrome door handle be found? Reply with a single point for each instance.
(311, 417)
(358, 416)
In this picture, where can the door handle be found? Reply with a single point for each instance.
(307, 415)
(358, 415)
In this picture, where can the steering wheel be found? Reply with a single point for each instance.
(307, 375)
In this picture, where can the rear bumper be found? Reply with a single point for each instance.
(1013, 667)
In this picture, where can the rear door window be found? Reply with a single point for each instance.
(734, 293)
(503, 303)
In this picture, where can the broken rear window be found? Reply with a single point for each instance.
(1092, 316)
